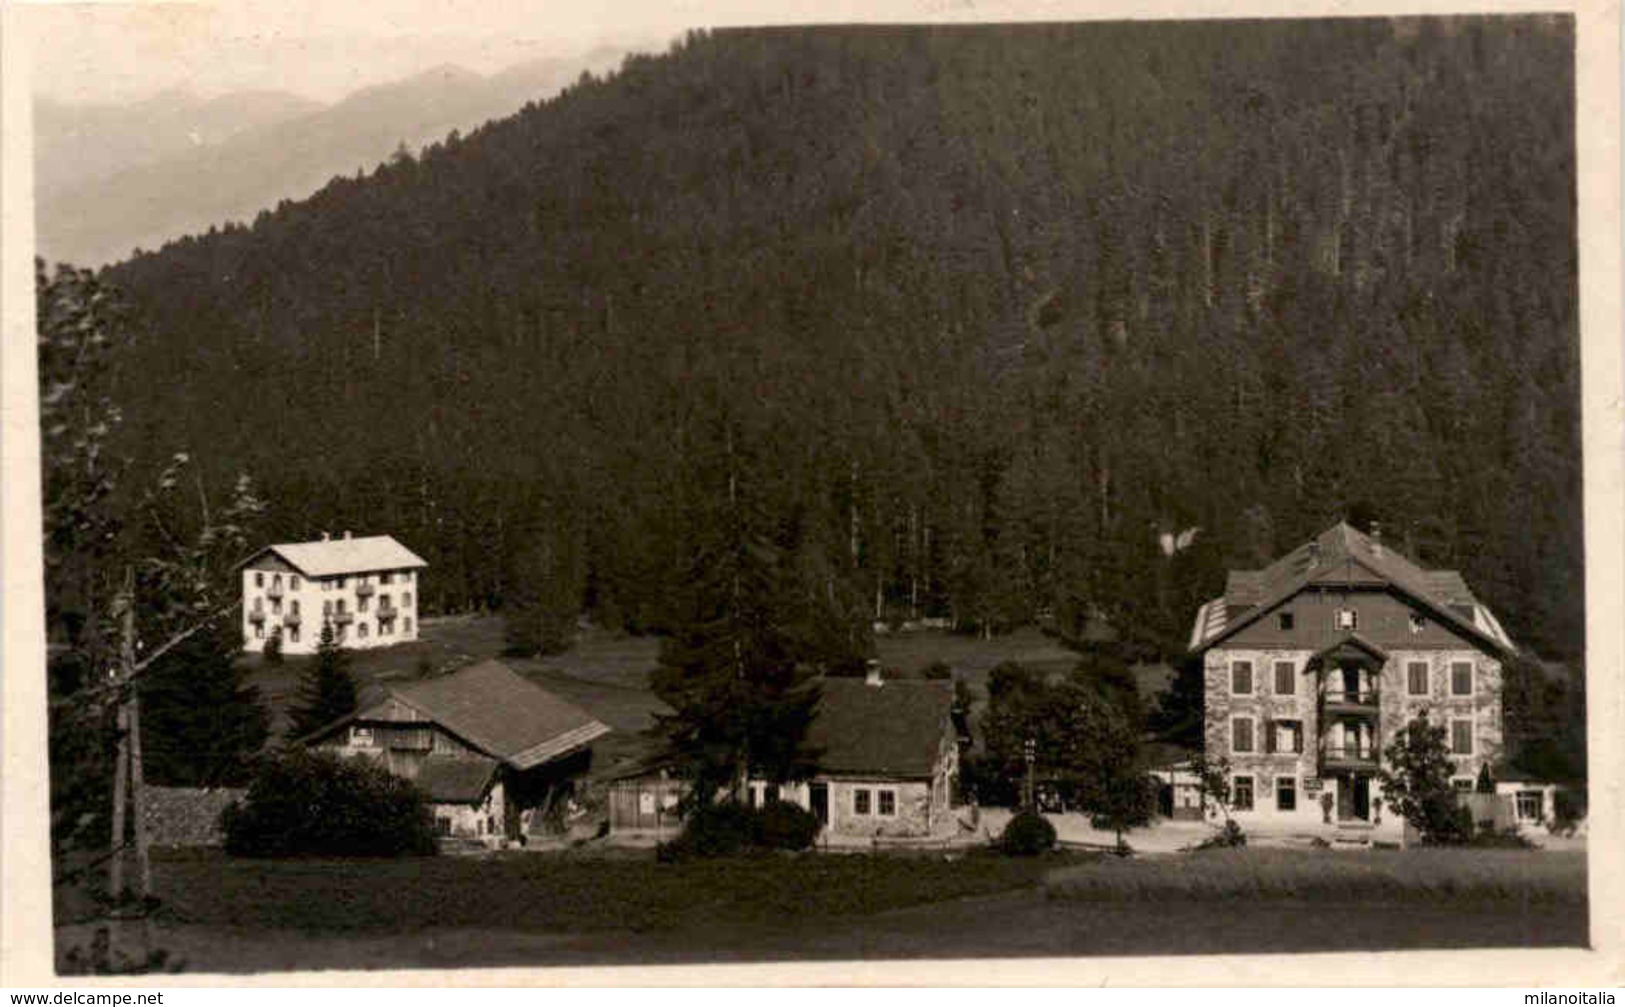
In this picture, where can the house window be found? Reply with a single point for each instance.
(860, 801)
(385, 578)
(293, 583)
(1241, 794)
(259, 631)
(1461, 737)
(1241, 678)
(259, 604)
(1419, 622)
(442, 824)
(1286, 678)
(361, 630)
(343, 581)
(259, 579)
(1348, 619)
(1461, 678)
(276, 581)
(276, 606)
(1462, 784)
(1241, 734)
(341, 606)
(406, 625)
(361, 736)
(293, 634)
(1530, 806)
(293, 606)
(406, 600)
(1284, 736)
(770, 793)
(1287, 621)
(327, 607)
(361, 604)
(1416, 678)
(1286, 793)
(888, 803)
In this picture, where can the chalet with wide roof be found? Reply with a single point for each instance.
(497, 755)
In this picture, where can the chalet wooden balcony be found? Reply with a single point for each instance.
(1348, 757)
(1366, 703)
(365, 589)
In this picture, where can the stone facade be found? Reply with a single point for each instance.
(1264, 704)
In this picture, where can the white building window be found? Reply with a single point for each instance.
(1348, 619)
(259, 631)
(406, 625)
(406, 600)
(1241, 793)
(1530, 806)
(860, 801)
(888, 803)
(385, 578)
(361, 630)
(361, 736)
(1241, 678)
(259, 579)
(1461, 737)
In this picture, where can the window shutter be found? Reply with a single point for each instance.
(1269, 737)
(1297, 739)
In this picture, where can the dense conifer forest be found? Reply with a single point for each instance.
(982, 312)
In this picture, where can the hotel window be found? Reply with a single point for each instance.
(888, 803)
(1286, 793)
(1461, 783)
(385, 578)
(276, 581)
(293, 583)
(343, 581)
(259, 579)
(1416, 678)
(293, 606)
(1347, 619)
(860, 801)
(1461, 678)
(259, 631)
(1241, 678)
(1461, 737)
(1241, 794)
(361, 604)
(1283, 736)
(1241, 735)
(293, 634)
(1419, 622)
(341, 606)
(342, 631)
(406, 625)
(327, 607)
(276, 606)
(361, 630)
(406, 600)
(1286, 620)
(1286, 678)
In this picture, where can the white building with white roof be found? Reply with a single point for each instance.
(366, 588)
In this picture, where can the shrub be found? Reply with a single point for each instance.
(785, 826)
(1028, 834)
(717, 830)
(1228, 837)
(316, 804)
(1568, 808)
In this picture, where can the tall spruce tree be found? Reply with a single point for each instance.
(326, 690)
(733, 667)
(201, 723)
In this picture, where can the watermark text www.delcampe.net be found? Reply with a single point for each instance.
(90, 999)
(1564, 999)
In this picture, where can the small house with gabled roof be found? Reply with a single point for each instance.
(365, 588)
(1312, 664)
(493, 751)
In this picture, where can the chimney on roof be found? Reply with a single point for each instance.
(1376, 539)
(872, 675)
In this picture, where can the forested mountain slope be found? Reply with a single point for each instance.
(981, 310)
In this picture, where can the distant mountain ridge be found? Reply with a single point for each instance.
(110, 179)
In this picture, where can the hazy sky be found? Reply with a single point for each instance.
(101, 52)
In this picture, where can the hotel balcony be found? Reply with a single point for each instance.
(1363, 703)
(291, 619)
(365, 589)
(387, 611)
(274, 591)
(1348, 757)
(256, 615)
(342, 617)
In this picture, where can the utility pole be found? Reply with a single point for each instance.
(128, 782)
(1029, 750)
